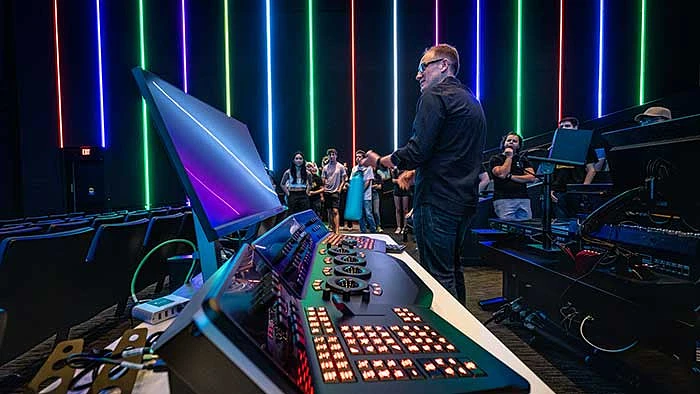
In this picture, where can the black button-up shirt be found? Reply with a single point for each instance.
(449, 133)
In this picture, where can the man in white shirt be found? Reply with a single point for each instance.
(367, 218)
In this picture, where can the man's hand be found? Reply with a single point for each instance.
(508, 152)
(406, 179)
(370, 159)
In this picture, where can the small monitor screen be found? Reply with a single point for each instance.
(215, 157)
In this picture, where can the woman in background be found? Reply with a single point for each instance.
(294, 183)
(401, 201)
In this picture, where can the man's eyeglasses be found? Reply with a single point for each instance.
(424, 65)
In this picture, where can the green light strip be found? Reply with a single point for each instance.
(642, 45)
(312, 109)
(519, 87)
(144, 113)
(227, 60)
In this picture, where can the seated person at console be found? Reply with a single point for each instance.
(565, 174)
(511, 173)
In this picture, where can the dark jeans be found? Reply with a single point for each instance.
(439, 238)
(317, 206)
(367, 219)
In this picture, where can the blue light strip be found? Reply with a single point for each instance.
(478, 50)
(601, 40)
(269, 87)
(99, 67)
(396, 80)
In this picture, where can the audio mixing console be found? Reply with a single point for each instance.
(304, 310)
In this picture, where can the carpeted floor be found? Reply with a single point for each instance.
(558, 368)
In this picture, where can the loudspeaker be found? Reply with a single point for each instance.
(84, 175)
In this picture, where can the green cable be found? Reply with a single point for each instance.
(143, 260)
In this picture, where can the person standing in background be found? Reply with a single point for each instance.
(367, 218)
(294, 183)
(334, 177)
(315, 188)
(401, 200)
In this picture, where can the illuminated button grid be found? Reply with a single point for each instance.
(335, 367)
(407, 316)
(319, 322)
(369, 340)
(391, 369)
(449, 367)
(422, 339)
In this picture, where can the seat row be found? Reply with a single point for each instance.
(51, 282)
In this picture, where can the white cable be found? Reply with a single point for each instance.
(628, 347)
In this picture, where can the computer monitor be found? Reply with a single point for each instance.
(661, 158)
(216, 161)
(569, 146)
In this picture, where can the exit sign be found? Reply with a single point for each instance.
(85, 151)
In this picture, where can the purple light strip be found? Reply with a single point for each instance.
(184, 48)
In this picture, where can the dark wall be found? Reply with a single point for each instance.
(31, 165)
(10, 197)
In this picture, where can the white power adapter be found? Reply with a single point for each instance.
(160, 309)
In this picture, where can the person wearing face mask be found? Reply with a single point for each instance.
(295, 184)
(443, 161)
(511, 173)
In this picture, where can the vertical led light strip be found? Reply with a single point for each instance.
(352, 49)
(436, 22)
(477, 66)
(184, 47)
(58, 74)
(144, 113)
(642, 47)
(269, 86)
(561, 55)
(312, 104)
(227, 63)
(396, 79)
(519, 87)
(99, 68)
(601, 40)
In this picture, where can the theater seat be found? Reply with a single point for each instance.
(65, 226)
(137, 215)
(114, 252)
(99, 220)
(160, 229)
(40, 286)
(31, 230)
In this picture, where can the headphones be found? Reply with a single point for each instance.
(520, 145)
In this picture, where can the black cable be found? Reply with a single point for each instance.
(577, 280)
(150, 341)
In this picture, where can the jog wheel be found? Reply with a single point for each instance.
(346, 287)
(352, 270)
(341, 251)
(350, 260)
(349, 242)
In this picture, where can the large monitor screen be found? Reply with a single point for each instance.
(214, 156)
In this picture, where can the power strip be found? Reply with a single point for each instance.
(160, 309)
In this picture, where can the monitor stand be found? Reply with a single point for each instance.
(547, 169)
(207, 251)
